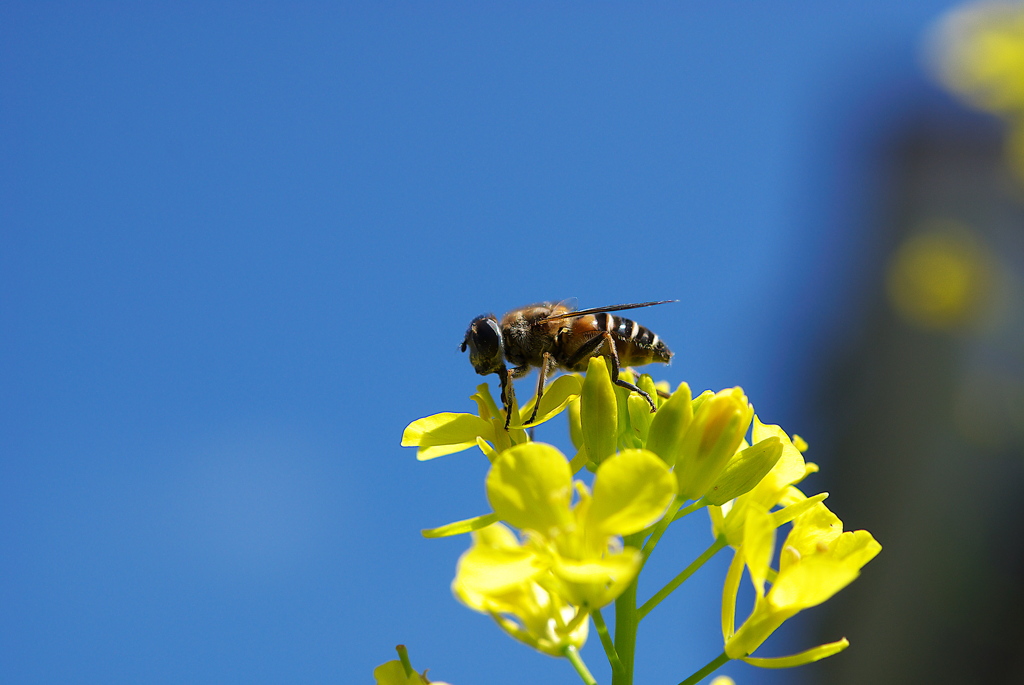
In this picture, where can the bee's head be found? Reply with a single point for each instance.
(483, 340)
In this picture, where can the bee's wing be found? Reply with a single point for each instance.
(598, 310)
(569, 303)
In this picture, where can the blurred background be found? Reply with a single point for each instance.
(241, 243)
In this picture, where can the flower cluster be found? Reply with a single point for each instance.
(553, 551)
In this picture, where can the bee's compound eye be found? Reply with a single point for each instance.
(484, 342)
(485, 333)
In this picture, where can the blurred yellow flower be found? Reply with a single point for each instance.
(980, 55)
(942, 277)
(978, 52)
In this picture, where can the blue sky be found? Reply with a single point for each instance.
(241, 243)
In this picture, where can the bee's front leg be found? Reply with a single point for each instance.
(508, 390)
(542, 374)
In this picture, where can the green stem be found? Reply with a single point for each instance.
(403, 656)
(694, 506)
(710, 668)
(660, 528)
(606, 640)
(664, 592)
(573, 655)
(626, 623)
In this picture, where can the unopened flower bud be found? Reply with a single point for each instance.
(712, 438)
(668, 427)
(599, 419)
(744, 471)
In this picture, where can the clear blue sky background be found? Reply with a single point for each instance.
(242, 241)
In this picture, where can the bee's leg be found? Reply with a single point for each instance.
(614, 356)
(508, 390)
(508, 393)
(542, 375)
(587, 349)
(592, 347)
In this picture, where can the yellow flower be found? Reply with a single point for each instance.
(450, 432)
(499, 577)
(818, 560)
(530, 486)
(776, 488)
(981, 55)
(943, 277)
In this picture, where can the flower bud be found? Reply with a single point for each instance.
(646, 383)
(575, 424)
(712, 438)
(622, 396)
(640, 417)
(665, 436)
(744, 471)
(599, 419)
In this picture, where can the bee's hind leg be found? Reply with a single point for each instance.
(592, 347)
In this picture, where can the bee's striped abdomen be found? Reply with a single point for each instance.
(635, 344)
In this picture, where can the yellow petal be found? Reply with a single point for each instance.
(495, 571)
(445, 433)
(758, 545)
(530, 486)
(632, 490)
(806, 657)
(428, 453)
(556, 396)
(729, 593)
(856, 548)
(790, 467)
(810, 582)
(814, 530)
(460, 527)
(593, 583)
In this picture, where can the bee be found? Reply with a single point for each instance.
(553, 335)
